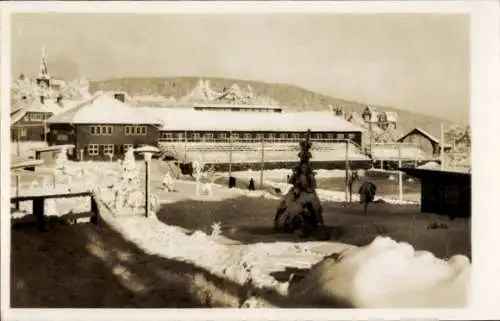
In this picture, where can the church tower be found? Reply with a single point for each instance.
(43, 79)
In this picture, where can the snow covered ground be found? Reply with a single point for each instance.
(278, 178)
(381, 273)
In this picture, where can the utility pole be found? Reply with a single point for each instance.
(441, 147)
(347, 178)
(262, 163)
(18, 138)
(230, 152)
(400, 180)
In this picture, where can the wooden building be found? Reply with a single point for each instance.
(49, 154)
(29, 123)
(424, 141)
(180, 125)
(443, 193)
(103, 127)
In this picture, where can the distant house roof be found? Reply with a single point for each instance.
(186, 119)
(423, 133)
(48, 106)
(104, 109)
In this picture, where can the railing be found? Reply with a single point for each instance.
(39, 207)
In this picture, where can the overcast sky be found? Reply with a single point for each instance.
(416, 62)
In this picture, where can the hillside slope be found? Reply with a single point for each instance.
(293, 97)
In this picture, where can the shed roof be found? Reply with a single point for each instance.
(182, 119)
(104, 109)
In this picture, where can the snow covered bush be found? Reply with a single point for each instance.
(168, 182)
(216, 229)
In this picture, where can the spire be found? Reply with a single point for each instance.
(44, 70)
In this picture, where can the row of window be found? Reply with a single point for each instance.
(107, 149)
(108, 130)
(249, 136)
(136, 130)
(248, 110)
(101, 130)
(37, 116)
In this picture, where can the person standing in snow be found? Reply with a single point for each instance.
(251, 185)
(367, 194)
(351, 178)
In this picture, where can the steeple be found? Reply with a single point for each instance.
(43, 78)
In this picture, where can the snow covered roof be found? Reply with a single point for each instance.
(49, 106)
(407, 152)
(424, 133)
(182, 119)
(103, 109)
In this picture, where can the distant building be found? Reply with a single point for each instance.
(101, 127)
(384, 120)
(28, 123)
(189, 125)
(424, 141)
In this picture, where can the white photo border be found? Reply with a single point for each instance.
(484, 105)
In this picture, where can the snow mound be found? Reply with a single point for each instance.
(387, 274)
(430, 165)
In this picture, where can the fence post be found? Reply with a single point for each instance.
(400, 181)
(262, 163)
(18, 185)
(94, 211)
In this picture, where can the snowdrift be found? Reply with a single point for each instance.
(387, 274)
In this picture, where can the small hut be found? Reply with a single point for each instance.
(443, 193)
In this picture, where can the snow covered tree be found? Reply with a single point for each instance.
(300, 209)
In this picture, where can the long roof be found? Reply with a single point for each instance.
(181, 119)
(102, 108)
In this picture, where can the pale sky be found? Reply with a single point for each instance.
(416, 62)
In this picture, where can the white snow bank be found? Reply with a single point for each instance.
(388, 274)
(243, 264)
(430, 165)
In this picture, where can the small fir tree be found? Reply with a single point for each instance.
(300, 209)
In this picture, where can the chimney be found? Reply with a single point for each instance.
(120, 97)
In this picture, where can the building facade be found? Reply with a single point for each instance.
(103, 129)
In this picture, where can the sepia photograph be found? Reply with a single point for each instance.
(239, 160)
